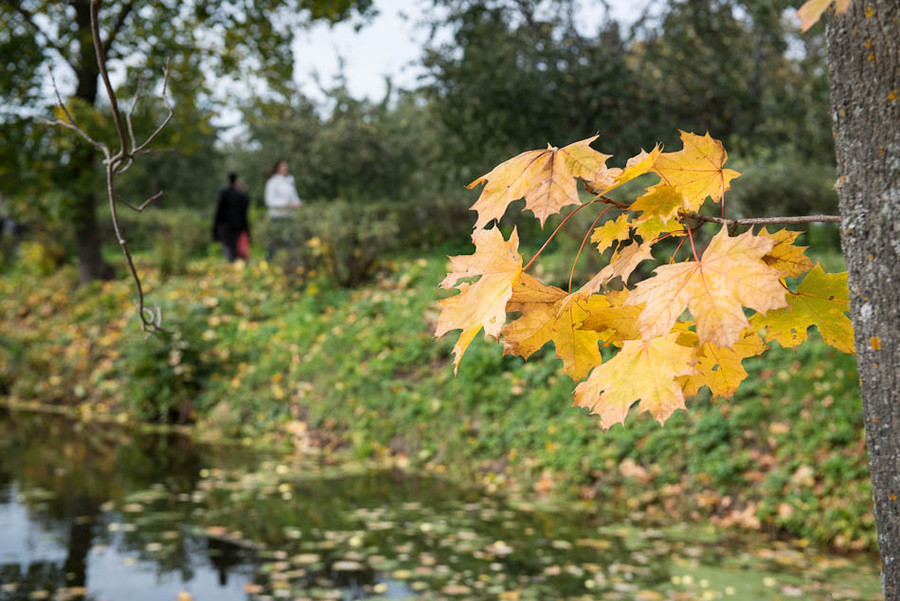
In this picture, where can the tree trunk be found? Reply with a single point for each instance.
(864, 63)
(91, 265)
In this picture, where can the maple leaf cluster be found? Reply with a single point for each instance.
(688, 326)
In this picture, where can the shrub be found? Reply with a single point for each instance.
(344, 240)
(168, 371)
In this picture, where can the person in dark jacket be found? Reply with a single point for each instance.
(231, 219)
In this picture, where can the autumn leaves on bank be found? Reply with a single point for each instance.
(684, 328)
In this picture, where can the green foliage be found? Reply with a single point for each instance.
(169, 370)
(359, 367)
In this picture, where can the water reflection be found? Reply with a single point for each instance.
(91, 511)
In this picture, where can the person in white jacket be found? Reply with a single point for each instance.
(281, 201)
(281, 194)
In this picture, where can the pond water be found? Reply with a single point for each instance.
(90, 511)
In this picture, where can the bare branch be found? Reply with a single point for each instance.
(609, 201)
(735, 222)
(128, 118)
(151, 318)
(104, 75)
(149, 140)
(765, 220)
(71, 124)
(145, 204)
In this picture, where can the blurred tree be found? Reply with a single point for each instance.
(512, 74)
(347, 148)
(519, 74)
(771, 92)
(206, 36)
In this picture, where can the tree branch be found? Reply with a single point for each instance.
(151, 319)
(104, 75)
(736, 222)
(765, 220)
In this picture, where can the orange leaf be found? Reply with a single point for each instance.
(545, 178)
(538, 304)
(643, 369)
(483, 303)
(730, 275)
(697, 170)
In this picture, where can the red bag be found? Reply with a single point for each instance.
(243, 246)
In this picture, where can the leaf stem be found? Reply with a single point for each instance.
(583, 242)
(556, 231)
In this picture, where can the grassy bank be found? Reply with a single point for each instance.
(246, 355)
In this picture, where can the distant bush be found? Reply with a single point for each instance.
(781, 183)
(344, 241)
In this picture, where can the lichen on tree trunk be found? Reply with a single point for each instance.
(864, 63)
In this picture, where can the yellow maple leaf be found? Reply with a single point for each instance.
(548, 313)
(648, 230)
(616, 321)
(635, 167)
(545, 178)
(822, 300)
(720, 368)
(812, 10)
(697, 171)
(497, 264)
(730, 275)
(786, 257)
(661, 201)
(659, 208)
(538, 304)
(623, 262)
(578, 348)
(643, 369)
(610, 232)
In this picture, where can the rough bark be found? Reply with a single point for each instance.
(91, 265)
(864, 63)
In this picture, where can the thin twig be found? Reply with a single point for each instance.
(583, 242)
(128, 117)
(117, 26)
(145, 204)
(104, 75)
(609, 201)
(71, 124)
(140, 149)
(736, 222)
